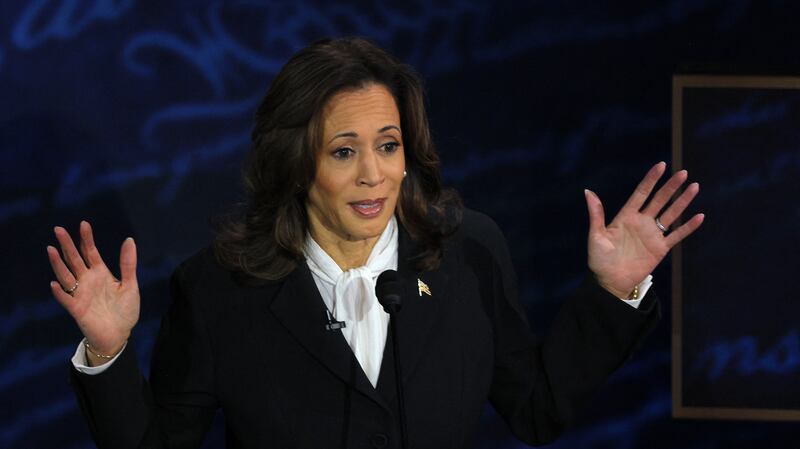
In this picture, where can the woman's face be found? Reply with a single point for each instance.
(359, 166)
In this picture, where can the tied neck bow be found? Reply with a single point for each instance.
(350, 297)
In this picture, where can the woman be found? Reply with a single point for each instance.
(278, 323)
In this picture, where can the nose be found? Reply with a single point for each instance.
(369, 170)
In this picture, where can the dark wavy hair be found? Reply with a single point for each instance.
(264, 239)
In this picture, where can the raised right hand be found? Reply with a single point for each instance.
(105, 308)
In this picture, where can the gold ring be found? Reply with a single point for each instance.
(71, 289)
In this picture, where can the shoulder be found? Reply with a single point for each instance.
(481, 239)
(479, 227)
(201, 265)
(201, 275)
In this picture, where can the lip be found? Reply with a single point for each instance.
(368, 208)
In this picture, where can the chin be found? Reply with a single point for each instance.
(361, 229)
(369, 231)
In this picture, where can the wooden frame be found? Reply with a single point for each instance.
(679, 410)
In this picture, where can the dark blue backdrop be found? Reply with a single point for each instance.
(136, 115)
(740, 340)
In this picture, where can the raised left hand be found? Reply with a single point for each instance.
(623, 253)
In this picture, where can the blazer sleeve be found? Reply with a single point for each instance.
(175, 409)
(539, 385)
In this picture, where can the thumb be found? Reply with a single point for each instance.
(597, 217)
(127, 261)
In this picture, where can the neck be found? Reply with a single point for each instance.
(345, 252)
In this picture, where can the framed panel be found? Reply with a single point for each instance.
(735, 304)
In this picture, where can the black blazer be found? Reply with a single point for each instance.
(284, 381)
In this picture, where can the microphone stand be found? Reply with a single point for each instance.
(398, 375)
(388, 290)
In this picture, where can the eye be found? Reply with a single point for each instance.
(390, 147)
(343, 153)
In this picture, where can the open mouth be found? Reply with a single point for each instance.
(368, 208)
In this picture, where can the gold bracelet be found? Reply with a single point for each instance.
(634, 294)
(89, 348)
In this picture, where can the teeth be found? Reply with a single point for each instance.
(366, 206)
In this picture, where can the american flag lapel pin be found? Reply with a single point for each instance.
(423, 288)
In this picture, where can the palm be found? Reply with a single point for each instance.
(623, 253)
(105, 309)
(630, 250)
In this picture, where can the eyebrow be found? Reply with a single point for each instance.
(354, 134)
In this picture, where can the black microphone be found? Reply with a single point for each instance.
(388, 289)
(331, 323)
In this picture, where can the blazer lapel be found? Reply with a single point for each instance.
(419, 314)
(299, 307)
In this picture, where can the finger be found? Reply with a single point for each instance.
(127, 261)
(678, 206)
(71, 255)
(674, 237)
(90, 253)
(64, 276)
(664, 194)
(64, 298)
(597, 217)
(639, 196)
